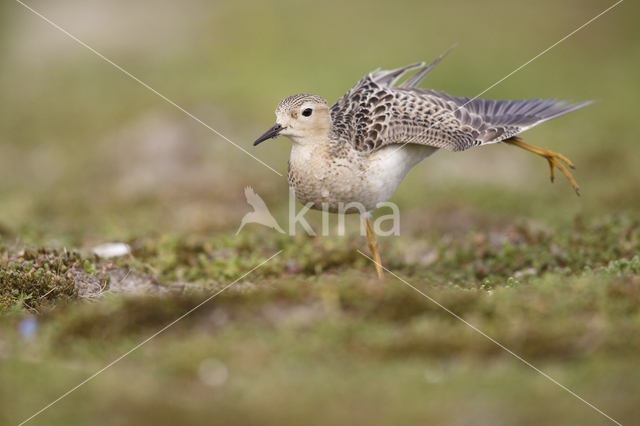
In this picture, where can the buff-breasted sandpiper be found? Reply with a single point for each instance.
(360, 149)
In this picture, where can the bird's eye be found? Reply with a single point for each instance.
(307, 112)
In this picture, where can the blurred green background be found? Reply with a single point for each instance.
(88, 155)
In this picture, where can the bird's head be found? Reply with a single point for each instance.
(302, 118)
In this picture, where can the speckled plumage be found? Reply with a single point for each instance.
(374, 114)
(360, 149)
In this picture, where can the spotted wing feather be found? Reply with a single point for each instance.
(374, 114)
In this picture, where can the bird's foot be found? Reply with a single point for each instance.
(552, 158)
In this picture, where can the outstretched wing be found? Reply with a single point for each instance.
(374, 114)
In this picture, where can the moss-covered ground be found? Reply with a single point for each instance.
(313, 331)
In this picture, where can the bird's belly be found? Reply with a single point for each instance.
(391, 164)
(352, 187)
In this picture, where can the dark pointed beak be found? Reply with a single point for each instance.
(271, 133)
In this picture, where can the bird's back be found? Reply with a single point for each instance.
(375, 113)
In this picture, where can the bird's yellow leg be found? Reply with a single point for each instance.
(373, 246)
(552, 158)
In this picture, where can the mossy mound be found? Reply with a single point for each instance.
(34, 279)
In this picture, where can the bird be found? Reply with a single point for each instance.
(358, 151)
(260, 214)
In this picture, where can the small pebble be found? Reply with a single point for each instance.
(108, 250)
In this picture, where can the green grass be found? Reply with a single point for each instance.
(88, 155)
